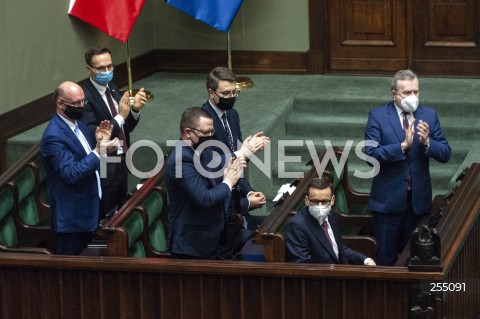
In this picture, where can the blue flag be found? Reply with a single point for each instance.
(216, 13)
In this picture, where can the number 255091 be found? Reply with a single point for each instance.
(447, 286)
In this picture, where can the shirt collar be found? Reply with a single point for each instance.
(69, 123)
(100, 88)
(216, 109)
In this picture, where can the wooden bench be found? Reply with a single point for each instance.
(25, 216)
(140, 227)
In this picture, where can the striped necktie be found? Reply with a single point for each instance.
(229, 133)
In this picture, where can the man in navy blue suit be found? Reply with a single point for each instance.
(222, 93)
(313, 236)
(72, 162)
(106, 103)
(408, 135)
(198, 199)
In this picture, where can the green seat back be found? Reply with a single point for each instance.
(134, 226)
(44, 192)
(154, 207)
(8, 233)
(26, 197)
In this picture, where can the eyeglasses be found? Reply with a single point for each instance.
(74, 104)
(228, 94)
(102, 68)
(204, 133)
(323, 202)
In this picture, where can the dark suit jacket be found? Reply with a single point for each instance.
(390, 186)
(239, 199)
(96, 110)
(71, 178)
(197, 206)
(307, 242)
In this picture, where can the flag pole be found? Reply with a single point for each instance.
(229, 50)
(243, 82)
(132, 92)
(129, 70)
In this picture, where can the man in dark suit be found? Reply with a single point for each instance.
(222, 94)
(313, 236)
(408, 135)
(106, 103)
(72, 163)
(198, 200)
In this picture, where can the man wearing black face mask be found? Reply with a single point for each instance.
(198, 198)
(72, 162)
(222, 94)
(106, 103)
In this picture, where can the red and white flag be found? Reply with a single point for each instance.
(114, 17)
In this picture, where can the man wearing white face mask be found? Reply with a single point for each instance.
(106, 103)
(408, 135)
(313, 235)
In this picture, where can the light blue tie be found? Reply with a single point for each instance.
(88, 149)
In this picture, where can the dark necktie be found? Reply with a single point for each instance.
(325, 230)
(229, 134)
(111, 105)
(405, 127)
(405, 120)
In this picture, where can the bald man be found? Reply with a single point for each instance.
(72, 162)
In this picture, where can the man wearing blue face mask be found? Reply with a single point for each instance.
(408, 135)
(313, 236)
(106, 103)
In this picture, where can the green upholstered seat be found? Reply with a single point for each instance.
(27, 207)
(134, 226)
(154, 208)
(44, 194)
(341, 203)
(8, 233)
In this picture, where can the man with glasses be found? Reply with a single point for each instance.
(313, 234)
(72, 162)
(105, 103)
(222, 94)
(198, 198)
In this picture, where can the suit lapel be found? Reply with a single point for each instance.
(320, 235)
(70, 134)
(394, 120)
(99, 100)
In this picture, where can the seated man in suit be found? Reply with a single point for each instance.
(198, 200)
(72, 162)
(313, 236)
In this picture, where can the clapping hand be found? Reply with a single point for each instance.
(102, 136)
(407, 143)
(253, 144)
(423, 130)
(256, 200)
(234, 170)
